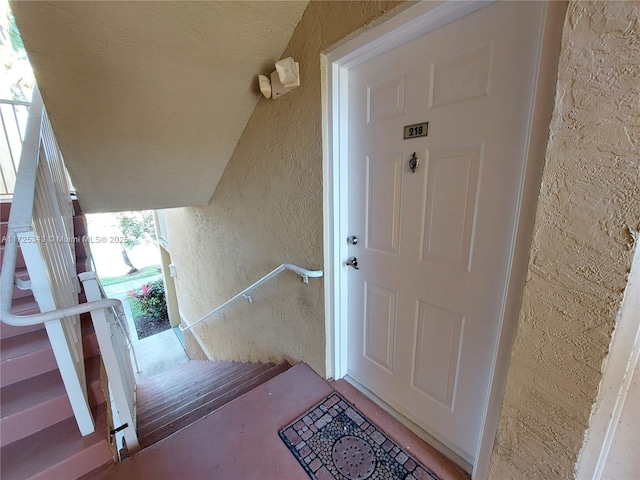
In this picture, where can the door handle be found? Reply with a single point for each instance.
(352, 262)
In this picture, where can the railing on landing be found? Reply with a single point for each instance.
(41, 216)
(41, 222)
(13, 117)
(303, 272)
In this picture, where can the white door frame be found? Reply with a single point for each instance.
(407, 25)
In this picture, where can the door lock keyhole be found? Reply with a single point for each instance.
(352, 262)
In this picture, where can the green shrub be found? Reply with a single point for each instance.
(150, 300)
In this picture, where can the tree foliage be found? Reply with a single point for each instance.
(137, 227)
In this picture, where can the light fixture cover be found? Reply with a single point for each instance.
(265, 85)
(287, 71)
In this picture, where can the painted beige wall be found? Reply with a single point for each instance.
(147, 98)
(588, 215)
(267, 210)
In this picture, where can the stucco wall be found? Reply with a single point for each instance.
(135, 90)
(588, 211)
(267, 210)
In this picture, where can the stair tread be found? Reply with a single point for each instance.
(7, 331)
(32, 391)
(193, 379)
(49, 447)
(40, 435)
(179, 371)
(186, 415)
(30, 342)
(192, 396)
(172, 383)
(24, 344)
(30, 354)
(5, 209)
(41, 401)
(24, 306)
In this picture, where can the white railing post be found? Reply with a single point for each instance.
(71, 370)
(113, 342)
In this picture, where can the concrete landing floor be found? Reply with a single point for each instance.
(158, 353)
(240, 440)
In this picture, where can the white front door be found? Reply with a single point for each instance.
(434, 247)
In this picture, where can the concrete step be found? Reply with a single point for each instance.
(169, 412)
(36, 403)
(58, 451)
(191, 394)
(7, 331)
(5, 209)
(24, 306)
(238, 441)
(170, 388)
(30, 354)
(40, 437)
(21, 306)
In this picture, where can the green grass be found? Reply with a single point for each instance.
(143, 273)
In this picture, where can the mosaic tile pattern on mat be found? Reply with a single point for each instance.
(333, 440)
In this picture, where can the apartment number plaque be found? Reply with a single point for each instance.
(417, 130)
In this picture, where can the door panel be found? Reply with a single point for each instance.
(437, 350)
(460, 77)
(384, 188)
(426, 304)
(386, 99)
(380, 325)
(449, 206)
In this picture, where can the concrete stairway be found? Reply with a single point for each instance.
(38, 433)
(177, 398)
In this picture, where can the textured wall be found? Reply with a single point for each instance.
(267, 210)
(588, 211)
(135, 90)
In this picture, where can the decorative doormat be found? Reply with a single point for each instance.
(334, 440)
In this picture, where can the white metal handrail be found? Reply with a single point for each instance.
(303, 272)
(13, 118)
(41, 223)
(21, 220)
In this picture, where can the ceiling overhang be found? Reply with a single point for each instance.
(149, 99)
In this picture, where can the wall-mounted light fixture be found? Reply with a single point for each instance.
(284, 78)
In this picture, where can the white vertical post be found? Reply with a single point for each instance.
(117, 361)
(74, 382)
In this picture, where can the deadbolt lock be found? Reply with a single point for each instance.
(352, 262)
